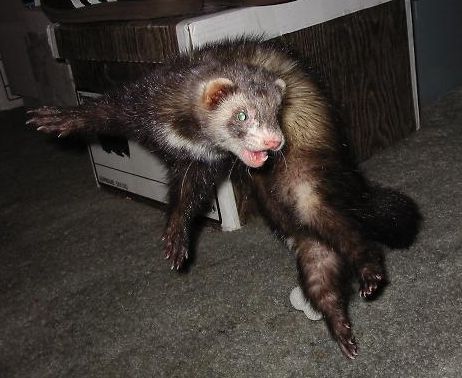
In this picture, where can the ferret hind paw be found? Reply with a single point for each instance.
(175, 251)
(370, 283)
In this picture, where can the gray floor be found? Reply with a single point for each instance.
(85, 292)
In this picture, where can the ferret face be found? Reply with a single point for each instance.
(243, 118)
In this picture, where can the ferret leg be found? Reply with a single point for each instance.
(339, 231)
(321, 272)
(191, 188)
(321, 269)
(344, 235)
(97, 117)
(60, 121)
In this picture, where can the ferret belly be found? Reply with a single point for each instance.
(297, 188)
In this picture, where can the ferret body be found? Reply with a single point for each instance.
(202, 112)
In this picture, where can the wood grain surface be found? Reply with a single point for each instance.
(99, 77)
(363, 62)
(134, 41)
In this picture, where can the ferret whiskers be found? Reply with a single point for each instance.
(184, 178)
(232, 167)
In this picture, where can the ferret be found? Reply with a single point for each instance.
(252, 102)
(198, 115)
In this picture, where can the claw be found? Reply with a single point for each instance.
(349, 352)
(175, 250)
(370, 281)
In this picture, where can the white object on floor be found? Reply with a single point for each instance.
(300, 303)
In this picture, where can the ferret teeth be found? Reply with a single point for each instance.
(254, 158)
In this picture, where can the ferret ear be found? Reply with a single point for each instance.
(215, 90)
(281, 84)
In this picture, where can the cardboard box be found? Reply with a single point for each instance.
(270, 21)
(126, 165)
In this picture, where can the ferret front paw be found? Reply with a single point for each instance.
(52, 120)
(175, 249)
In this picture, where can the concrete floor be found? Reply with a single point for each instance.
(85, 291)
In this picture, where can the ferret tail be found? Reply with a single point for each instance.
(390, 217)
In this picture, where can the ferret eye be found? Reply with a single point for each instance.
(241, 116)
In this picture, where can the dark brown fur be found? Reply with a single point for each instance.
(317, 200)
(311, 192)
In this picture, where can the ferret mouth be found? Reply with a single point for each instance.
(254, 159)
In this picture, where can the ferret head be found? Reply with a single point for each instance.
(241, 114)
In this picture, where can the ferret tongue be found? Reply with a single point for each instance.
(254, 159)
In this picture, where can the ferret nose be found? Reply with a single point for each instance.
(273, 144)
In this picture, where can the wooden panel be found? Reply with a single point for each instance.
(134, 41)
(101, 76)
(363, 61)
